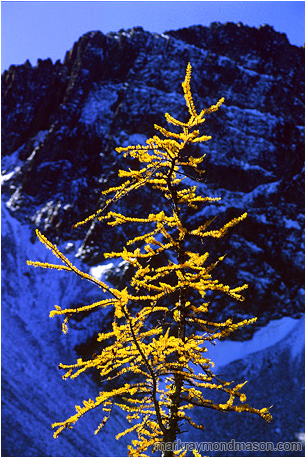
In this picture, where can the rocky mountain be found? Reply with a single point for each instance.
(62, 121)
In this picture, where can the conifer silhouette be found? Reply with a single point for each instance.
(160, 331)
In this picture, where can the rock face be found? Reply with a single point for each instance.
(62, 121)
(61, 124)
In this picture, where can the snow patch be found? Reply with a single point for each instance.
(247, 71)
(11, 162)
(222, 59)
(40, 137)
(233, 111)
(99, 271)
(225, 352)
(137, 139)
(7, 176)
(290, 224)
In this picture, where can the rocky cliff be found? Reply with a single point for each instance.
(62, 121)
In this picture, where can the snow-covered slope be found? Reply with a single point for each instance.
(287, 330)
(34, 395)
(273, 363)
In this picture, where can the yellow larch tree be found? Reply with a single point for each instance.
(155, 353)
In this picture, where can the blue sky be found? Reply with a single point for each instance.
(41, 29)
